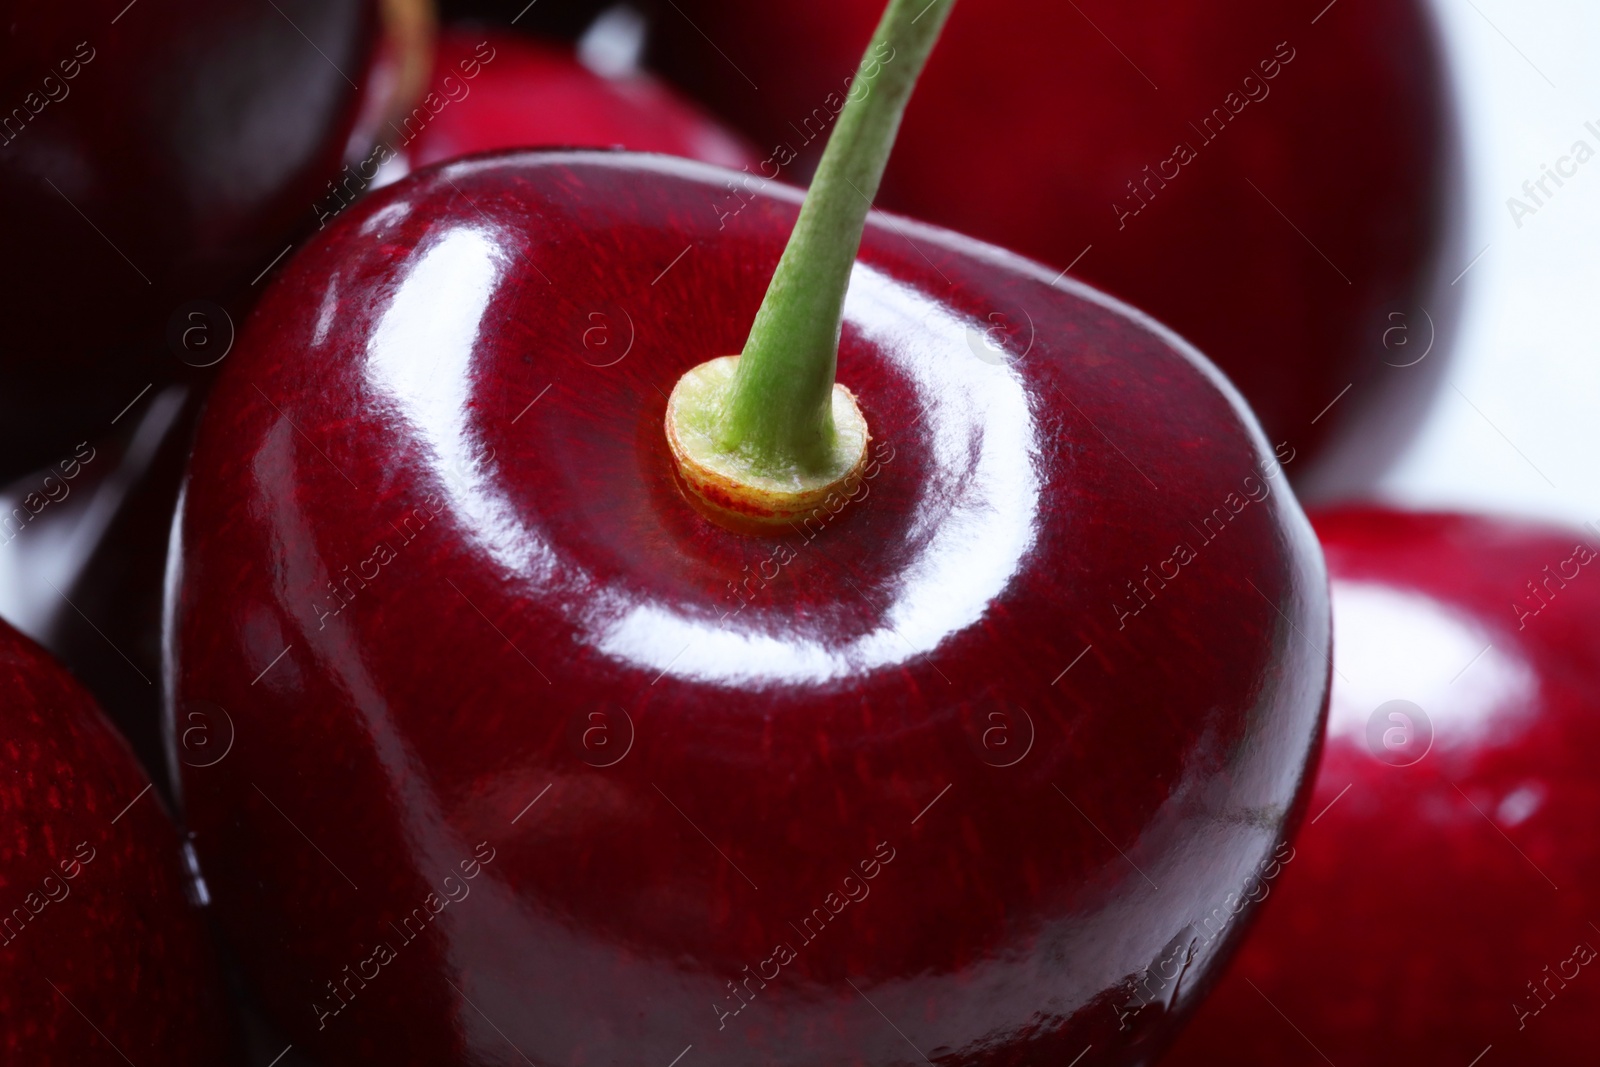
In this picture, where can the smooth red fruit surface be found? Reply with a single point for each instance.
(102, 958)
(591, 779)
(497, 90)
(152, 156)
(1281, 221)
(1441, 905)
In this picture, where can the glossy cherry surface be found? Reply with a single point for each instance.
(499, 90)
(1272, 184)
(555, 766)
(153, 155)
(1441, 903)
(102, 959)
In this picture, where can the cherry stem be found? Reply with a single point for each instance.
(778, 412)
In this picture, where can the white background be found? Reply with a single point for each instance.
(1527, 79)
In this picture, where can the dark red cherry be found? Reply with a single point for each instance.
(155, 158)
(1273, 180)
(533, 760)
(103, 959)
(1440, 906)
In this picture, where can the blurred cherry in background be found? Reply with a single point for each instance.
(498, 90)
(158, 159)
(1442, 896)
(1276, 181)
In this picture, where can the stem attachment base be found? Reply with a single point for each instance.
(736, 486)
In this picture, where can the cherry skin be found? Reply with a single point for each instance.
(928, 748)
(102, 958)
(157, 155)
(1454, 858)
(499, 90)
(1304, 219)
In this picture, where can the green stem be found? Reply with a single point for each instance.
(779, 412)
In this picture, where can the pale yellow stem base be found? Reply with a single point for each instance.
(729, 484)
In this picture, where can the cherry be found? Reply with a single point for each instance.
(545, 752)
(497, 90)
(154, 160)
(1274, 181)
(102, 958)
(417, 612)
(1439, 906)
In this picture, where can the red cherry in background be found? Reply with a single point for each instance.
(491, 665)
(102, 958)
(155, 159)
(497, 90)
(1296, 238)
(1441, 903)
